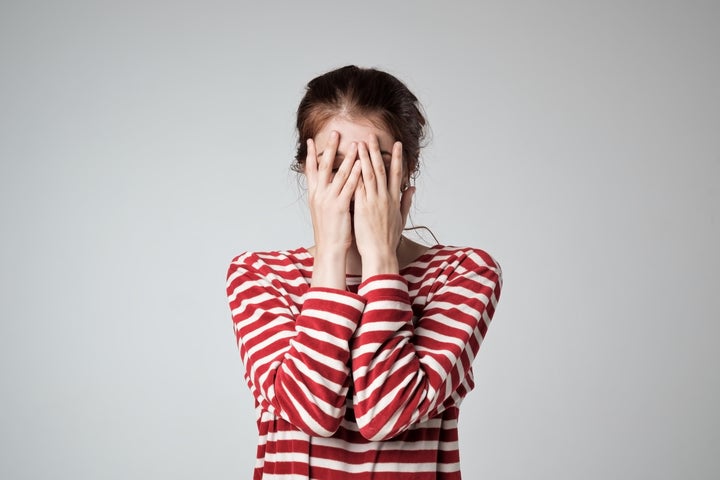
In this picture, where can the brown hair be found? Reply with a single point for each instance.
(362, 92)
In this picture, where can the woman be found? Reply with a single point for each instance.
(358, 350)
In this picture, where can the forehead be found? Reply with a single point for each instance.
(355, 130)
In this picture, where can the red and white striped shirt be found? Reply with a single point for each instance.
(363, 383)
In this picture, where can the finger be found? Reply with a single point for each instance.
(396, 171)
(351, 184)
(328, 157)
(360, 192)
(311, 164)
(345, 167)
(405, 203)
(377, 163)
(368, 173)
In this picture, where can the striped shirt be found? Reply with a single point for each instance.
(363, 383)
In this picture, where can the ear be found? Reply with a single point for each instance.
(405, 203)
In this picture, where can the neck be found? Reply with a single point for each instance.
(407, 252)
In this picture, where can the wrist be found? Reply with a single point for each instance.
(380, 265)
(329, 268)
(330, 253)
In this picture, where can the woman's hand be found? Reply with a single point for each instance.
(329, 194)
(381, 209)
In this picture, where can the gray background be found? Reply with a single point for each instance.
(144, 144)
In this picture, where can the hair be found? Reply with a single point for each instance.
(355, 92)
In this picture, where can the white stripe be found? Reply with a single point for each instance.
(424, 332)
(430, 362)
(366, 467)
(446, 320)
(364, 420)
(360, 372)
(379, 326)
(270, 370)
(279, 311)
(319, 379)
(478, 278)
(413, 279)
(434, 351)
(256, 300)
(462, 307)
(242, 287)
(333, 363)
(238, 272)
(296, 299)
(283, 476)
(385, 283)
(325, 407)
(290, 282)
(330, 317)
(448, 467)
(277, 267)
(323, 336)
(392, 421)
(370, 446)
(344, 299)
(310, 422)
(387, 305)
(280, 335)
(276, 322)
(370, 347)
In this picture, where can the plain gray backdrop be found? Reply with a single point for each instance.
(144, 144)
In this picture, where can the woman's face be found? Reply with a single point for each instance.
(350, 131)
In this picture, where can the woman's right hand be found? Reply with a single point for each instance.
(330, 192)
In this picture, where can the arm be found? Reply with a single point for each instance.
(296, 363)
(404, 374)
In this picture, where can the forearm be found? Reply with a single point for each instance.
(296, 363)
(310, 382)
(404, 369)
(329, 267)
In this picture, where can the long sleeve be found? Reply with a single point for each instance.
(296, 358)
(409, 367)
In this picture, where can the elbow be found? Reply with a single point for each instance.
(313, 421)
(327, 429)
(374, 435)
(317, 412)
(377, 428)
(327, 432)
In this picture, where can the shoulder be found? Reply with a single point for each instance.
(270, 261)
(472, 258)
(465, 273)
(442, 265)
(448, 266)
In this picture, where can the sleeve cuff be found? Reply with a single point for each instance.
(384, 286)
(333, 295)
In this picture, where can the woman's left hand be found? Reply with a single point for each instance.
(380, 209)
